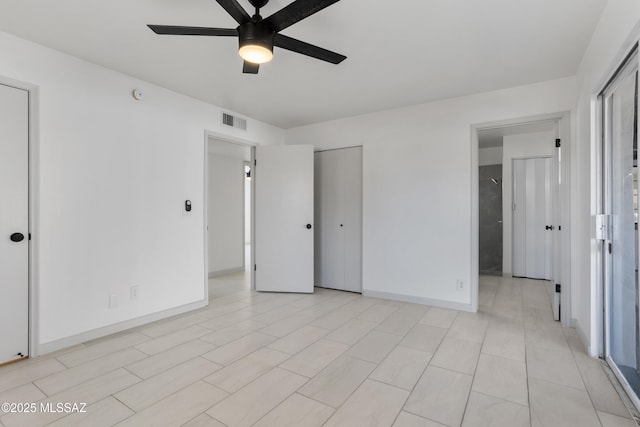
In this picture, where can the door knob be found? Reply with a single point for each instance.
(17, 237)
(308, 226)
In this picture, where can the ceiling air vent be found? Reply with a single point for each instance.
(235, 122)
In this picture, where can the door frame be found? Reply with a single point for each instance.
(564, 133)
(208, 134)
(33, 209)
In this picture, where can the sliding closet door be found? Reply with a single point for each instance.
(532, 218)
(352, 218)
(338, 216)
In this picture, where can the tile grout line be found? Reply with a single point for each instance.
(473, 378)
(524, 334)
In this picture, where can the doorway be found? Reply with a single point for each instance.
(490, 214)
(229, 193)
(281, 216)
(14, 223)
(495, 149)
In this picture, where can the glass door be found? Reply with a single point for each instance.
(620, 209)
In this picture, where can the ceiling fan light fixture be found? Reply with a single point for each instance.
(257, 36)
(256, 42)
(255, 53)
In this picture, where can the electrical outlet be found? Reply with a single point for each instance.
(460, 285)
(113, 301)
(134, 292)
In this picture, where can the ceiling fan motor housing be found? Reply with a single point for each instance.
(256, 33)
(258, 3)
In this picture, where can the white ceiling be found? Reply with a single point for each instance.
(400, 52)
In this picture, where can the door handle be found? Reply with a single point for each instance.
(17, 237)
(308, 226)
(549, 227)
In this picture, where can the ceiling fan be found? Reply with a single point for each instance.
(258, 36)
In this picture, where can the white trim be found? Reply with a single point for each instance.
(419, 300)
(581, 335)
(118, 327)
(597, 284)
(564, 119)
(34, 221)
(565, 218)
(475, 219)
(205, 214)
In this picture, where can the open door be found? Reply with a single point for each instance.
(14, 225)
(284, 218)
(556, 227)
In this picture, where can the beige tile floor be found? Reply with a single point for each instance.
(332, 359)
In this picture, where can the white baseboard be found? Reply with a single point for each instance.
(51, 346)
(225, 271)
(418, 300)
(582, 336)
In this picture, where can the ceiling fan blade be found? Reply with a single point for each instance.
(250, 68)
(193, 31)
(304, 48)
(234, 9)
(296, 11)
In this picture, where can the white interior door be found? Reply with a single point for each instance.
(284, 218)
(532, 218)
(14, 211)
(352, 200)
(519, 210)
(338, 204)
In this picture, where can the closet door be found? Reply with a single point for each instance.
(338, 215)
(352, 218)
(531, 218)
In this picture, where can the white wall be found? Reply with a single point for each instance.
(490, 156)
(226, 214)
(613, 38)
(417, 185)
(538, 144)
(113, 177)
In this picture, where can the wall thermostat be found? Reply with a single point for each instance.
(137, 94)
